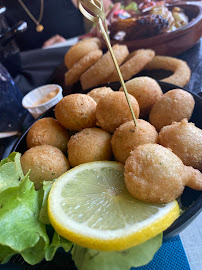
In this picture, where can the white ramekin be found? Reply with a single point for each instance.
(38, 93)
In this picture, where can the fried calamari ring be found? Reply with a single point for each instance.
(80, 49)
(99, 92)
(136, 62)
(99, 72)
(173, 106)
(182, 72)
(73, 74)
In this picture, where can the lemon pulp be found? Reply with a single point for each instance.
(90, 206)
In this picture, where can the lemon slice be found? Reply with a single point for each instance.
(90, 206)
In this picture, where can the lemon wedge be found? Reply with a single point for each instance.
(90, 206)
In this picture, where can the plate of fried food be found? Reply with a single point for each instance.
(87, 178)
(86, 157)
(167, 27)
(87, 64)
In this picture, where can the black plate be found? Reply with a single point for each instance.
(191, 199)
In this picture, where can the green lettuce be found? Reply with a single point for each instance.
(23, 215)
(43, 216)
(6, 253)
(132, 6)
(10, 171)
(89, 259)
(20, 228)
(24, 227)
(58, 241)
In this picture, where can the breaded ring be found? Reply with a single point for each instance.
(146, 90)
(88, 145)
(182, 72)
(98, 93)
(76, 112)
(113, 110)
(137, 61)
(73, 74)
(96, 74)
(185, 140)
(80, 49)
(128, 136)
(173, 106)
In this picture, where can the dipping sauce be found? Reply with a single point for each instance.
(49, 96)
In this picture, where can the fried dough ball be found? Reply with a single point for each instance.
(173, 106)
(90, 144)
(113, 110)
(185, 140)
(155, 174)
(128, 136)
(48, 131)
(76, 112)
(99, 92)
(45, 163)
(146, 90)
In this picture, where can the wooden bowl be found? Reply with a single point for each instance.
(175, 42)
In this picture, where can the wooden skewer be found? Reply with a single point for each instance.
(99, 17)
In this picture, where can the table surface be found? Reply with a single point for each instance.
(191, 237)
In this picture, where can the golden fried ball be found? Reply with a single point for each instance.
(76, 112)
(173, 106)
(48, 131)
(146, 90)
(185, 140)
(90, 144)
(46, 163)
(113, 110)
(154, 174)
(99, 92)
(128, 136)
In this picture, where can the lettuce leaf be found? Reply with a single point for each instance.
(20, 228)
(132, 6)
(43, 216)
(23, 230)
(57, 242)
(10, 171)
(89, 259)
(6, 253)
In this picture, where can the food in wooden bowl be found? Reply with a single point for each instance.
(169, 29)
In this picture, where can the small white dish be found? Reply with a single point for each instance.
(30, 100)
